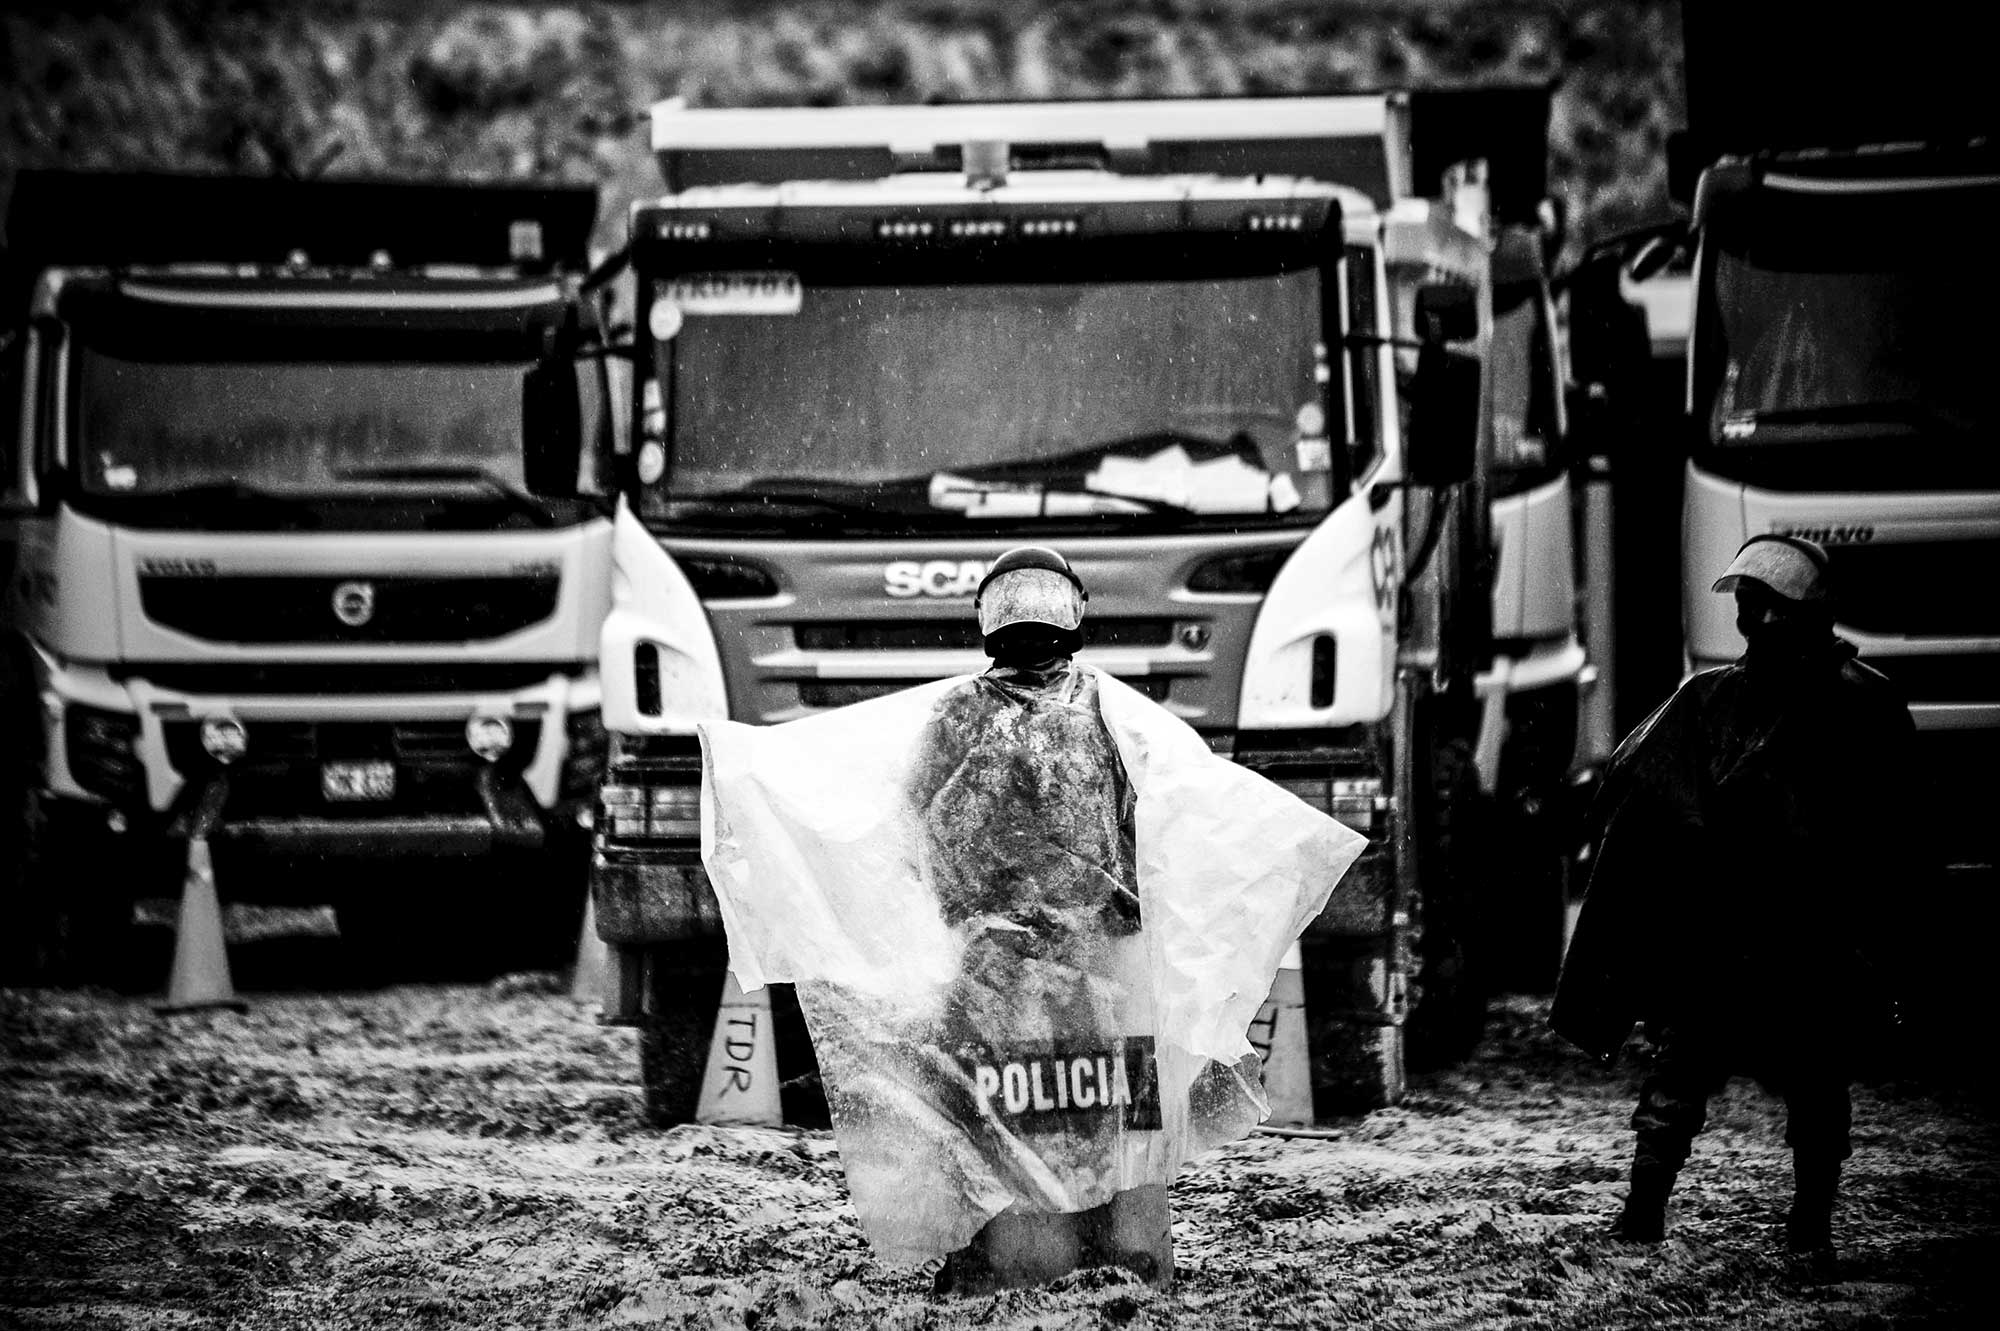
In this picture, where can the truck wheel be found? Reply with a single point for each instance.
(81, 891)
(683, 994)
(24, 928)
(1448, 1003)
(1522, 924)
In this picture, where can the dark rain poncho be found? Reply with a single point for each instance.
(1744, 893)
(1030, 920)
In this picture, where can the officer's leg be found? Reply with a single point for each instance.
(1818, 1115)
(1673, 1107)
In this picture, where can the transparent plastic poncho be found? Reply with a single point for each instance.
(1029, 928)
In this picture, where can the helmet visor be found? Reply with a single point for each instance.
(1030, 596)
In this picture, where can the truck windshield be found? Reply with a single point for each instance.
(971, 404)
(148, 427)
(1836, 319)
(214, 397)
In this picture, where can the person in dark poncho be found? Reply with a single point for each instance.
(1729, 909)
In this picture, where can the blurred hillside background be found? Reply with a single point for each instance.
(559, 92)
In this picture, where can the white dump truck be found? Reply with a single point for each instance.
(1219, 353)
(309, 543)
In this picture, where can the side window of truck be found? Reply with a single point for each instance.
(1360, 363)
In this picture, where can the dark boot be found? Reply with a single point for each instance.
(1815, 1180)
(1644, 1219)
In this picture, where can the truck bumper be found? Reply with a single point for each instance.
(650, 897)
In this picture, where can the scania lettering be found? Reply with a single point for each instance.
(937, 577)
(311, 553)
(1217, 352)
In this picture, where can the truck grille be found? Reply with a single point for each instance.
(1918, 588)
(839, 693)
(1974, 677)
(915, 635)
(341, 677)
(301, 609)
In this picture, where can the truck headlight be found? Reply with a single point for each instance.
(223, 739)
(489, 736)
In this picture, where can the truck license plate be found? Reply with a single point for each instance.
(358, 781)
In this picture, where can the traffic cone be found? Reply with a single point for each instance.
(587, 976)
(200, 978)
(1279, 1036)
(740, 1086)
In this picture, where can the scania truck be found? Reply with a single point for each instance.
(309, 554)
(1217, 352)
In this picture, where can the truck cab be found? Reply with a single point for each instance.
(1214, 352)
(310, 544)
(1838, 392)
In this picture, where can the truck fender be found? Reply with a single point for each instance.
(654, 609)
(1341, 582)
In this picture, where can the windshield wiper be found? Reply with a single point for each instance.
(1888, 411)
(808, 493)
(519, 500)
(1015, 499)
(236, 491)
(225, 501)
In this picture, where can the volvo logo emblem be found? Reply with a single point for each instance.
(354, 603)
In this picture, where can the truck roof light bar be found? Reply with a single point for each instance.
(125, 219)
(1356, 140)
(905, 228)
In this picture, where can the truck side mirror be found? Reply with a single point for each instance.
(18, 480)
(552, 420)
(1446, 312)
(1442, 447)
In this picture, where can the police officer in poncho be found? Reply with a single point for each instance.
(1028, 828)
(1732, 908)
(1030, 916)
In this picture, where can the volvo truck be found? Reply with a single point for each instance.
(1835, 372)
(1834, 360)
(1217, 352)
(309, 547)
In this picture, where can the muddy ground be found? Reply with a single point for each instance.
(473, 1155)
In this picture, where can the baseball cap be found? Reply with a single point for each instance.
(1790, 566)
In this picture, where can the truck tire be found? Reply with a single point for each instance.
(23, 928)
(80, 886)
(1448, 1000)
(1522, 920)
(683, 996)
(683, 993)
